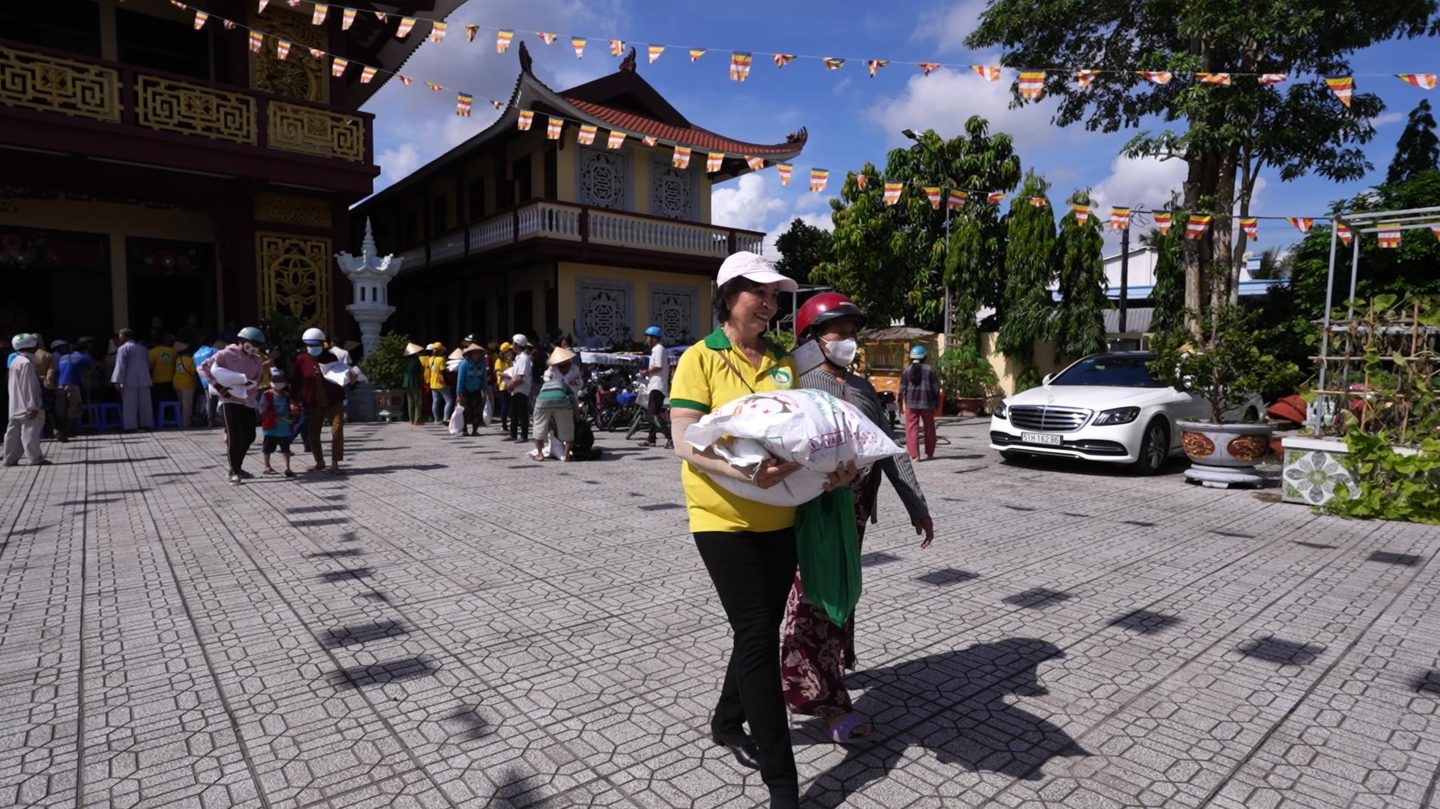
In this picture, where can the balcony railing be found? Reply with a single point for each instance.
(583, 225)
(109, 93)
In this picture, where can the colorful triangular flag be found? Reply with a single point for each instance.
(740, 66)
(200, 18)
(406, 23)
(463, 102)
(1301, 223)
(1389, 235)
(526, 118)
(995, 197)
(874, 65)
(337, 67)
(554, 127)
(1198, 226)
(1032, 85)
(318, 17)
(547, 37)
(957, 200)
(1343, 231)
(282, 49)
(932, 193)
(988, 72)
(1435, 229)
(1162, 221)
(655, 51)
(438, 31)
(578, 43)
(783, 59)
(928, 67)
(263, 4)
(502, 41)
(1270, 79)
(1343, 87)
(785, 170)
(1039, 202)
(1251, 226)
(1119, 218)
(439, 88)
(347, 19)
(833, 63)
(1222, 79)
(616, 139)
(367, 75)
(862, 181)
(1157, 76)
(819, 178)
(714, 161)
(1425, 81)
(257, 41)
(1082, 213)
(587, 134)
(471, 30)
(681, 158)
(892, 192)
(617, 47)
(755, 163)
(695, 54)
(1085, 77)
(649, 140)
(404, 79)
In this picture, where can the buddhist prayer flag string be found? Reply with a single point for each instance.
(1085, 77)
(257, 41)
(200, 18)
(1157, 76)
(957, 200)
(1270, 79)
(1162, 221)
(1425, 81)
(755, 163)
(406, 23)
(655, 51)
(892, 192)
(347, 19)
(502, 41)
(819, 178)
(578, 43)
(874, 66)
(681, 158)
(987, 72)
(1032, 85)
(1251, 226)
(834, 63)
(553, 128)
(437, 33)
(1343, 87)
(463, 102)
(932, 193)
(548, 38)
(740, 66)
(1301, 223)
(367, 75)
(695, 54)
(714, 161)
(318, 17)
(617, 47)
(1221, 79)
(1082, 213)
(1343, 231)
(337, 67)
(995, 197)
(928, 67)
(785, 171)
(527, 117)
(1119, 218)
(1389, 235)
(587, 134)
(1198, 226)
(282, 50)
(783, 59)
(616, 139)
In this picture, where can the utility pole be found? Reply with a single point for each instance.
(1124, 277)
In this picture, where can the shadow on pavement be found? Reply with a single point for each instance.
(954, 705)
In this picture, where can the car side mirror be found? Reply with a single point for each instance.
(1047, 379)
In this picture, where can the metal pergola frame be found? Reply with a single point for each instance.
(1362, 223)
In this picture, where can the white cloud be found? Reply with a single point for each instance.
(947, 98)
(1144, 181)
(749, 203)
(1387, 118)
(414, 125)
(948, 27)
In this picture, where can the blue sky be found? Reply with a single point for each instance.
(850, 116)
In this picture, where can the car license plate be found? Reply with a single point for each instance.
(1041, 438)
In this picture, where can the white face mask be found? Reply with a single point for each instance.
(841, 352)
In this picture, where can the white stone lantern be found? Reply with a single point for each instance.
(369, 275)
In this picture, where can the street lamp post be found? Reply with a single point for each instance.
(1135, 217)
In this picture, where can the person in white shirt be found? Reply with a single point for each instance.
(27, 407)
(522, 380)
(658, 380)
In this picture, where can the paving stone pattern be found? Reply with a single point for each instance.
(453, 625)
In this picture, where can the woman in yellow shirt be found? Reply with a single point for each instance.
(186, 382)
(748, 547)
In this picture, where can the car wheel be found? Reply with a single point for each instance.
(1154, 448)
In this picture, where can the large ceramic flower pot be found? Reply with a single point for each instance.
(1223, 455)
(970, 406)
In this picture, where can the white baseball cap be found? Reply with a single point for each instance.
(754, 267)
(520, 340)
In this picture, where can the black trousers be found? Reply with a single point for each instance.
(239, 423)
(654, 407)
(520, 416)
(752, 573)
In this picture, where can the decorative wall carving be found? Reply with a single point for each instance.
(308, 130)
(295, 276)
(673, 309)
(292, 209)
(672, 191)
(41, 82)
(301, 75)
(190, 109)
(604, 178)
(604, 309)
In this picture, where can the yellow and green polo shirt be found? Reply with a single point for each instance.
(704, 382)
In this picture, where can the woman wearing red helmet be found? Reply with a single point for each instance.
(814, 651)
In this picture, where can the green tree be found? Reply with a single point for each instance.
(1408, 268)
(1029, 272)
(1418, 149)
(1078, 327)
(1230, 134)
(893, 259)
(803, 247)
(1168, 297)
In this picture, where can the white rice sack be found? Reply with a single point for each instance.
(227, 378)
(810, 427)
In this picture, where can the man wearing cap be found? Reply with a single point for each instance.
(502, 364)
(413, 381)
(522, 382)
(920, 392)
(324, 400)
(27, 403)
(70, 368)
(132, 380)
(239, 398)
(657, 380)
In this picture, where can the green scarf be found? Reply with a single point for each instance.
(829, 550)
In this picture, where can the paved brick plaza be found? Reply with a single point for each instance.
(454, 625)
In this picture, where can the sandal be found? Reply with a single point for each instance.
(319, 467)
(844, 733)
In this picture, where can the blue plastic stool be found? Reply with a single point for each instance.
(100, 417)
(169, 415)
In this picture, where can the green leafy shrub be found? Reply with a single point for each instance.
(964, 372)
(385, 366)
(1228, 366)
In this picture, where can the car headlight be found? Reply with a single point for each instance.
(1001, 411)
(1120, 415)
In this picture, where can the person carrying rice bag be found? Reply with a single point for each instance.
(748, 548)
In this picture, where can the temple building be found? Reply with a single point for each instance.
(516, 231)
(160, 172)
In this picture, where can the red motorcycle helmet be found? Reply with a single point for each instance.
(823, 308)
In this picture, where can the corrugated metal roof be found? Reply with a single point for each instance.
(694, 136)
(1137, 321)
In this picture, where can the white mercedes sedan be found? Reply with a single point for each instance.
(1105, 407)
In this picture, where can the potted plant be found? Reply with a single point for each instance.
(1227, 371)
(967, 379)
(385, 367)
